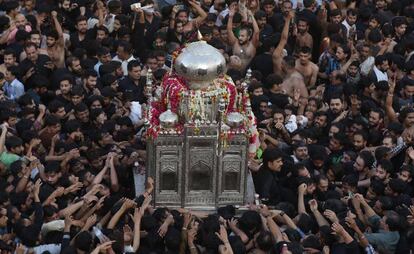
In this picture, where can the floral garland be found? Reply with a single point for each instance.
(175, 89)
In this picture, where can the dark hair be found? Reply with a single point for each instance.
(377, 186)
(335, 12)
(380, 59)
(83, 241)
(363, 134)
(367, 158)
(72, 126)
(53, 33)
(55, 105)
(305, 50)
(270, 155)
(351, 180)
(397, 185)
(77, 90)
(393, 220)
(9, 51)
(14, 70)
(132, 64)
(308, 3)
(126, 46)
(81, 18)
(52, 167)
(408, 168)
(265, 240)
(90, 73)
(375, 35)
(250, 223)
(351, 12)
(273, 79)
(51, 120)
(12, 142)
(386, 165)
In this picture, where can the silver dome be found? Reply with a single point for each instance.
(200, 63)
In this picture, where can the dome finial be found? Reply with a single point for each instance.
(199, 35)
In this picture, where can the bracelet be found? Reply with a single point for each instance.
(184, 228)
(192, 247)
(25, 177)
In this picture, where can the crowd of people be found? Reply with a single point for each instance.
(332, 89)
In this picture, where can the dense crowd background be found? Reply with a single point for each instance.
(332, 88)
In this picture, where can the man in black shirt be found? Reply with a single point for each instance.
(275, 92)
(134, 83)
(78, 39)
(35, 64)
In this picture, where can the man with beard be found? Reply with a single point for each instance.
(362, 168)
(379, 72)
(266, 30)
(285, 8)
(75, 68)
(36, 38)
(348, 25)
(303, 37)
(65, 85)
(300, 152)
(78, 38)
(182, 15)
(308, 69)
(384, 170)
(376, 119)
(321, 120)
(35, 63)
(104, 56)
(55, 43)
(9, 59)
(336, 107)
(359, 140)
(245, 46)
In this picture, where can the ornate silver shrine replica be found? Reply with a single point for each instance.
(200, 131)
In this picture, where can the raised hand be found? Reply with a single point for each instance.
(302, 188)
(223, 235)
(313, 204)
(330, 215)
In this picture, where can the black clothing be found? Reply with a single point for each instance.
(263, 63)
(128, 85)
(39, 69)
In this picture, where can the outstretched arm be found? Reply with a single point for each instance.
(392, 116)
(58, 28)
(277, 53)
(232, 38)
(256, 30)
(202, 15)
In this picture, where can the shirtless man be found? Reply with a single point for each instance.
(303, 37)
(293, 80)
(305, 67)
(55, 43)
(182, 15)
(245, 46)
